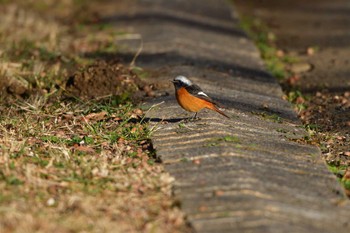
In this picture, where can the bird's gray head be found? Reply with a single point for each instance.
(181, 81)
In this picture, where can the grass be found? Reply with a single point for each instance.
(91, 151)
(48, 130)
(226, 139)
(340, 171)
(269, 117)
(298, 100)
(264, 40)
(71, 164)
(276, 60)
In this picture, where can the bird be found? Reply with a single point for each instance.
(192, 98)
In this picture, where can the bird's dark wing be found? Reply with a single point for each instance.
(198, 92)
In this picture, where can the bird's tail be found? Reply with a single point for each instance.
(213, 107)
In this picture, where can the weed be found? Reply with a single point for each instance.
(265, 41)
(217, 141)
(339, 171)
(11, 179)
(184, 159)
(346, 183)
(143, 74)
(270, 117)
(230, 138)
(281, 130)
(51, 138)
(297, 99)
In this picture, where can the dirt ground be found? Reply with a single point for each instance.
(316, 34)
(106, 78)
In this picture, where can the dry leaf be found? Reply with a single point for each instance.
(96, 116)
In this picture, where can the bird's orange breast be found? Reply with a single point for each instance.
(190, 102)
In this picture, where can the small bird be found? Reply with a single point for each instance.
(192, 98)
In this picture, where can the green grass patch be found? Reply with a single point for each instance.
(143, 74)
(297, 99)
(218, 141)
(339, 171)
(265, 41)
(281, 130)
(269, 117)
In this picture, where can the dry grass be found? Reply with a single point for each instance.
(37, 53)
(81, 167)
(68, 165)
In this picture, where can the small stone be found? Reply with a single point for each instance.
(203, 208)
(300, 100)
(347, 153)
(300, 67)
(310, 51)
(17, 85)
(197, 161)
(50, 202)
(280, 53)
(293, 80)
(219, 193)
(150, 94)
(147, 88)
(138, 111)
(347, 175)
(340, 138)
(265, 106)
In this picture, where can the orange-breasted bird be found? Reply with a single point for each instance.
(192, 98)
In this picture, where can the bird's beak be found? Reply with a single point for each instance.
(172, 81)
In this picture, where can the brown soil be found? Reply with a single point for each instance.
(49, 47)
(317, 34)
(101, 79)
(104, 79)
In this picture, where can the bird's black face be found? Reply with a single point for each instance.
(181, 81)
(177, 84)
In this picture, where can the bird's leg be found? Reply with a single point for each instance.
(195, 116)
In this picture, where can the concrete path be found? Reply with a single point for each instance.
(244, 174)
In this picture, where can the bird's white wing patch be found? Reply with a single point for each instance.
(202, 93)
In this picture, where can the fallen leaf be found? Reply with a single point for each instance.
(197, 161)
(96, 116)
(310, 51)
(293, 80)
(219, 193)
(83, 148)
(203, 208)
(280, 53)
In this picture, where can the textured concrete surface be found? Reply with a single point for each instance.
(243, 174)
(299, 25)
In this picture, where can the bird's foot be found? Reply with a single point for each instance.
(192, 119)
